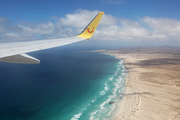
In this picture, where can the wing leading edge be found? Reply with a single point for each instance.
(15, 52)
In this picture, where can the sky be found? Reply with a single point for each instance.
(138, 22)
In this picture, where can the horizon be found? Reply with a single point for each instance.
(125, 22)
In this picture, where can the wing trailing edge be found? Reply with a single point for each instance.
(20, 58)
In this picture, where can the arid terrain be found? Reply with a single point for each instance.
(152, 85)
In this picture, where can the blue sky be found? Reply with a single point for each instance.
(40, 10)
(124, 20)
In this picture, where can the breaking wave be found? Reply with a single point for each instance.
(99, 107)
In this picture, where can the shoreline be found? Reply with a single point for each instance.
(113, 112)
(152, 85)
(116, 108)
(122, 103)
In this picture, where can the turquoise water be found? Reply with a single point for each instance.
(65, 86)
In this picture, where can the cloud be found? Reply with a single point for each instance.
(44, 28)
(78, 19)
(32, 31)
(4, 20)
(11, 37)
(163, 25)
(128, 30)
(162, 29)
(81, 18)
(109, 28)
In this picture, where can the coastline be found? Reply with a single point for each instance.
(126, 106)
(152, 85)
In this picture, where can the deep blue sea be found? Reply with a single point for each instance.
(68, 84)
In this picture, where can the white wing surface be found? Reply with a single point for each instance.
(15, 52)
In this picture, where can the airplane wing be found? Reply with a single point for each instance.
(16, 52)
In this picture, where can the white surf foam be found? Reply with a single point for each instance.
(104, 108)
(77, 116)
(106, 88)
(118, 83)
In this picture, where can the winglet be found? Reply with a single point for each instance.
(89, 30)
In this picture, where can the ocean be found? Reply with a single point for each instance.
(68, 84)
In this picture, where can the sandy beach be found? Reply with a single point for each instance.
(152, 84)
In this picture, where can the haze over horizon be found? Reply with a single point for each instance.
(125, 22)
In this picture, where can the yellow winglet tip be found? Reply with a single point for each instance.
(101, 12)
(91, 27)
